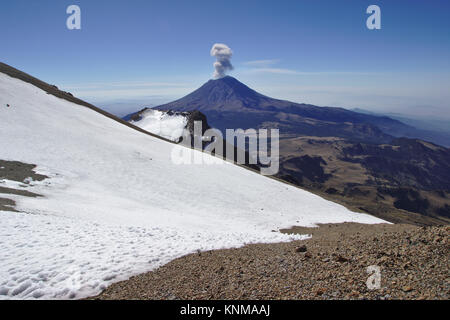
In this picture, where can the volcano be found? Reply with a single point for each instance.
(228, 103)
(223, 95)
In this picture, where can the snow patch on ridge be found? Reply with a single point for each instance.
(164, 124)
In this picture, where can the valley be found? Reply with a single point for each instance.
(391, 190)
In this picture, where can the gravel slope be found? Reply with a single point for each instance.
(414, 264)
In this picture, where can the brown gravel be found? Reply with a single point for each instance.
(414, 264)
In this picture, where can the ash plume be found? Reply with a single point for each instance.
(223, 55)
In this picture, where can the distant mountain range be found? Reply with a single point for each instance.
(435, 123)
(434, 130)
(228, 103)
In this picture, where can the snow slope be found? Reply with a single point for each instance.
(162, 124)
(116, 205)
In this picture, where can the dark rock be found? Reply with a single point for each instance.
(341, 259)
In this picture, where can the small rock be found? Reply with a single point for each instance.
(320, 291)
(354, 293)
(383, 259)
(407, 289)
(301, 249)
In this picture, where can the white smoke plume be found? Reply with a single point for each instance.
(223, 55)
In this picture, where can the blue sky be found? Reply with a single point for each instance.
(316, 52)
